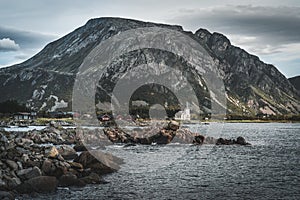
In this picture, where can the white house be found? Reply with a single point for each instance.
(184, 115)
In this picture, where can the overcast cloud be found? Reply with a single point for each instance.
(273, 26)
(6, 44)
(269, 29)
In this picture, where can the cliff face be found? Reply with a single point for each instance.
(45, 81)
(252, 85)
(295, 81)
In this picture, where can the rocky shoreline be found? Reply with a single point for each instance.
(40, 161)
(166, 135)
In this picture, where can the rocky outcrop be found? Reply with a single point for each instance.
(40, 184)
(100, 163)
(251, 85)
(239, 141)
(170, 133)
(27, 167)
(159, 136)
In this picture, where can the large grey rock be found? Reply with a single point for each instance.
(199, 139)
(29, 173)
(13, 182)
(4, 195)
(3, 138)
(53, 168)
(40, 184)
(12, 164)
(99, 162)
(173, 125)
(70, 180)
(23, 142)
(67, 152)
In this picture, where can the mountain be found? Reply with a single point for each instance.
(45, 81)
(295, 81)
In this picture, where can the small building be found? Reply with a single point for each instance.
(105, 118)
(25, 116)
(56, 114)
(184, 115)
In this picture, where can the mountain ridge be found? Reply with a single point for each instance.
(295, 81)
(46, 79)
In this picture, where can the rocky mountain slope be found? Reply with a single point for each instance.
(295, 81)
(45, 81)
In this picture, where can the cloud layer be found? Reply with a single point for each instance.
(6, 44)
(267, 27)
(17, 45)
(272, 33)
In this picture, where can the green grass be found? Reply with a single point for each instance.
(48, 120)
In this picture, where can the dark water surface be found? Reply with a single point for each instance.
(269, 169)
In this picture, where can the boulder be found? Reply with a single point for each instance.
(23, 142)
(199, 139)
(70, 180)
(3, 138)
(143, 141)
(12, 164)
(76, 165)
(29, 173)
(67, 152)
(241, 141)
(54, 168)
(40, 184)
(173, 125)
(184, 136)
(13, 182)
(99, 162)
(163, 137)
(47, 166)
(222, 141)
(6, 195)
(51, 152)
(79, 147)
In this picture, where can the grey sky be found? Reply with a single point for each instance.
(269, 29)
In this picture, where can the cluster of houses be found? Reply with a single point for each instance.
(33, 115)
(184, 115)
(25, 116)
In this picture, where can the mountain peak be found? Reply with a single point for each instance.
(126, 22)
(47, 78)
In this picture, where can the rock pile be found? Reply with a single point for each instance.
(30, 162)
(166, 135)
(40, 161)
(159, 136)
(240, 141)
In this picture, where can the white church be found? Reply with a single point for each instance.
(184, 115)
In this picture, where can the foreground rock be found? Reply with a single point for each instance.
(26, 167)
(40, 184)
(6, 195)
(99, 162)
(159, 136)
(30, 162)
(170, 133)
(239, 141)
